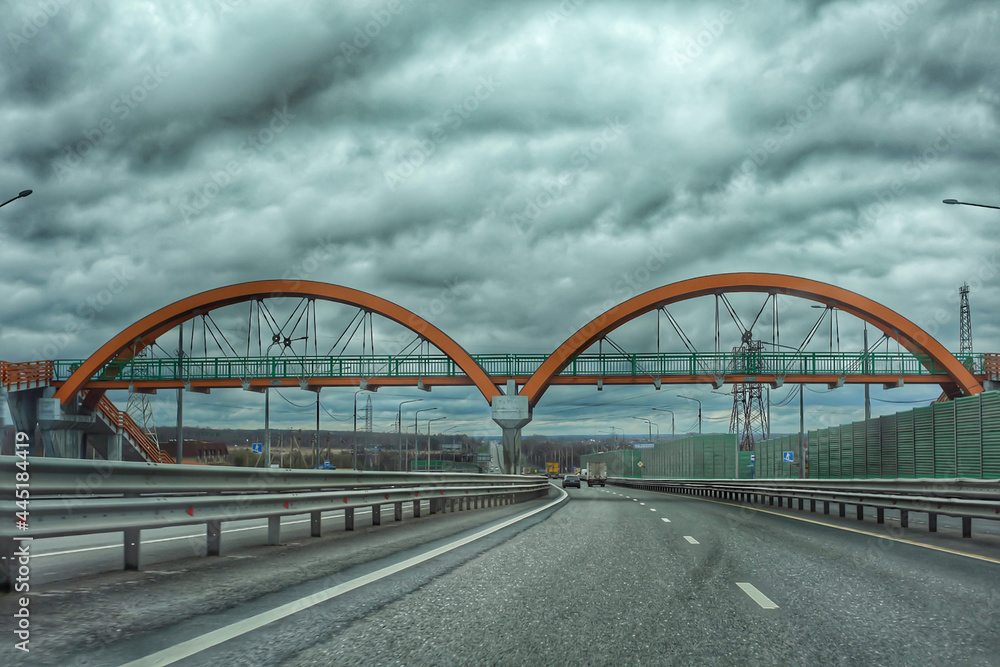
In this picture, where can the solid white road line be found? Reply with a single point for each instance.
(758, 597)
(691, 539)
(665, 520)
(206, 641)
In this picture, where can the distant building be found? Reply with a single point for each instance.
(199, 450)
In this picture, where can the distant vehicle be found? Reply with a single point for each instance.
(552, 469)
(571, 480)
(597, 474)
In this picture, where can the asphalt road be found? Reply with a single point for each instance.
(601, 579)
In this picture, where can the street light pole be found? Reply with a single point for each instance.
(416, 435)
(672, 431)
(649, 424)
(22, 193)
(399, 423)
(699, 409)
(436, 419)
(946, 201)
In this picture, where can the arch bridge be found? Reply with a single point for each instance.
(67, 397)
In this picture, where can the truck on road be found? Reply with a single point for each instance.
(597, 474)
(552, 469)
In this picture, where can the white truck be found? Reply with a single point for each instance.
(596, 474)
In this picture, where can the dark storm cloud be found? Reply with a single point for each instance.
(507, 172)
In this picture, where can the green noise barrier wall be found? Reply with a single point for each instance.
(713, 456)
(959, 438)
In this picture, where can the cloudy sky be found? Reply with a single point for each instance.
(503, 169)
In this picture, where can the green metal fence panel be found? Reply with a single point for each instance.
(835, 453)
(860, 433)
(887, 439)
(812, 437)
(822, 456)
(846, 451)
(990, 409)
(873, 444)
(745, 470)
(718, 458)
(904, 445)
(923, 442)
(968, 437)
(944, 439)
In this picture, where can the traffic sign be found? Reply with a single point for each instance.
(643, 445)
(258, 447)
(788, 457)
(639, 464)
(752, 458)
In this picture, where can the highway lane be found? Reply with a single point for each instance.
(620, 576)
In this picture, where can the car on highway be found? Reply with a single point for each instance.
(571, 480)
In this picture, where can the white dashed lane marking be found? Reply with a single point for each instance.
(758, 597)
(691, 539)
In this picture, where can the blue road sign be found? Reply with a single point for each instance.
(643, 445)
(258, 447)
(788, 457)
(752, 458)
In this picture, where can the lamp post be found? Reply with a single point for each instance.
(399, 422)
(454, 456)
(21, 194)
(416, 435)
(672, 431)
(648, 424)
(946, 201)
(699, 409)
(356, 425)
(436, 419)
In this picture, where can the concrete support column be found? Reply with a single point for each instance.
(214, 533)
(931, 522)
(349, 518)
(397, 511)
(316, 523)
(861, 513)
(511, 412)
(879, 515)
(433, 506)
(132, 542)
(416, 509)
(966, 526)
(376, 515)
(843, 510)
(451, 505)
(274, 530)
(904, 518)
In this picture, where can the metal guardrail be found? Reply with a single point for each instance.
(963, 498)
(73, 497)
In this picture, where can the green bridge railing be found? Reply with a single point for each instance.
(503, 365)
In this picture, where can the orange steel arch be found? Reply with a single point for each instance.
(897, 327)
(141, 334)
